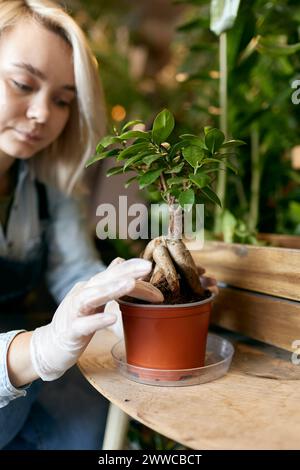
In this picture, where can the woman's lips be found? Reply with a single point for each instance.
(28, 136)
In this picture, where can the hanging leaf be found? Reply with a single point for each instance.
(210, 194)
(200, 180)
(132, 160)
(114, 171)
(231, 167)
(131, 180)
(186, 197)
(102, 156)
(148, 178)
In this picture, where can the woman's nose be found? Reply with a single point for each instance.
(39, 110)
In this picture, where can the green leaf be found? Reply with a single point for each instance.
(114, 171)
(131, 180)
(131, 123)
(135, 135)
(178, 146)
(200, 180)
(231, 167)
(176, 180)
(162, 126)
(133, 149)
(107, 140)
(193, 140)
(175, 191)
(214, 139)
(193, 155)
(151, 158)
(132, 160)
(210, 194)
(148, 178)
(101, 156)
(186, 197)
(93, 159)
(176, 169)
(211, 160)
(232, 143)
(99, 148)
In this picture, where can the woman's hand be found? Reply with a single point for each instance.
(54, 348)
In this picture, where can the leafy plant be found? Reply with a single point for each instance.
(263, 61)
(182, 172)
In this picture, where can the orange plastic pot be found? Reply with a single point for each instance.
(168, 337)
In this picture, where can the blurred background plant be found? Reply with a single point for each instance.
(162, 53)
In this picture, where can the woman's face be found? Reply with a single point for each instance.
(36, 88)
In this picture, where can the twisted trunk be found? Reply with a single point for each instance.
(175, 222)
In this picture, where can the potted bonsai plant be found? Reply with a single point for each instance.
(171, 335)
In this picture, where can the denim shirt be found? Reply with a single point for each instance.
(71, 255)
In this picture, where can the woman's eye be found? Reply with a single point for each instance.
(22, 86)
(62, 103)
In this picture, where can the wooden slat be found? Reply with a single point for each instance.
(262, 317)
(269, 270)
(285, 241)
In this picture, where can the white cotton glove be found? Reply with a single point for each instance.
(55, 347)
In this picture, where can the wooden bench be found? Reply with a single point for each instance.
(262, 294)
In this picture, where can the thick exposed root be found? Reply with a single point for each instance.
(173, 269)
(157, 276)
(186, 265)
(165, 265)
(148, 252)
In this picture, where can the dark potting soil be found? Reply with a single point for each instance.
(186, 295)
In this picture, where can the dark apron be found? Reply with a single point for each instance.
(18, 279)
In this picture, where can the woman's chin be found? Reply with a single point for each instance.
(18, 151)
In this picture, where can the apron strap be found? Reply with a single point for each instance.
(42, 200)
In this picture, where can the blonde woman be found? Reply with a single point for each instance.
(51, 117)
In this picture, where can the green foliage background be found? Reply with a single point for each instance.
(263, 61)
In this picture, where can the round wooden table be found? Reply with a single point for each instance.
(255, 406)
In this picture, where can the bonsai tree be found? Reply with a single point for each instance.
(183, 173)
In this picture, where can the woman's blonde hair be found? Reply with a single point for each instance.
(62, 163)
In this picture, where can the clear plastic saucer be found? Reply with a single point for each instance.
(219, 353)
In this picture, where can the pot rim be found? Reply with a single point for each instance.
(156, 306)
